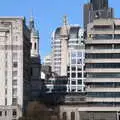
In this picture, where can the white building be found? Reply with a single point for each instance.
(47, 60)
(76, 73)
(14, 67)
(66, 40)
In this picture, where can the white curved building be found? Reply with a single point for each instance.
(66, 41)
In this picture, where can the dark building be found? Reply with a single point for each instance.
(99, 4)
(96, 9)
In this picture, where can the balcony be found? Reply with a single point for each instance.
(103, 89)
(114, 60)
(91, 99)
(103, 51)
(109, 41)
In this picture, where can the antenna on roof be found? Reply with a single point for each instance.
(65, 20)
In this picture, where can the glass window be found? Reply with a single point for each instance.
(102, 36)
(79, 54)
(73, 82)
(73, 68)
(103, 75)
(14, 113)
(79, 61)
(117, 36)
(73, 61)
(73, 75)
(79, 82)
(79, 75)
(79, 68)
(14, 101)
(73, 54)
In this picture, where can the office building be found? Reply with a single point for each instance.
(14, 67)
(63, 39)
(96, 9)
(99, 4)
(76, 65)
(35, 62)
(103, 64)
(68, 55)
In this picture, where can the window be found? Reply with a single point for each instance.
(73, 68)
(14, 82)
(103, 55)
(0, 113)
(64, 116)
(6, 91)
(102, 36)
(73, 75)
(73, 82)
(35, 46)
(79, 68)
(103, 65)
(79, 82)
(5, 101)
(73, 54)
(72, 115)
(5, 113)
(14, 101)
(15, 64)
(73, 61)
(79, 61)
(14, 56)
(68, 74)
(14, 113)
(79, 54)
(14, 91)
(6, 81)
(14, 73)
(79, 75)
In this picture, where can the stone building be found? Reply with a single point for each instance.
(14, 67)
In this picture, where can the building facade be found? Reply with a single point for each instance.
(68, 55)
(76, 72)
(63, 39)
(48, 60)
(103, 63)
(14, 67)
(35, 62)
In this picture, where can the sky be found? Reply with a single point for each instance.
(48, 15)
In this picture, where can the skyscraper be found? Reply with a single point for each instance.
(96, 9)
(99, 4)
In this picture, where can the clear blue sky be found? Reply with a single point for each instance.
(48, 15)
